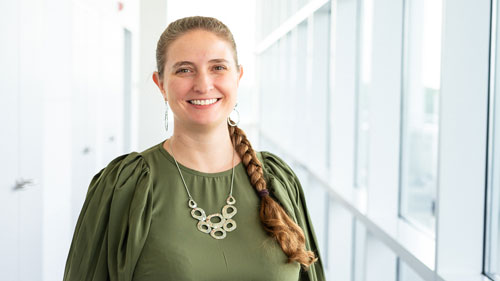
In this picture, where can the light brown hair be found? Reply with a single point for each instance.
(273, 217)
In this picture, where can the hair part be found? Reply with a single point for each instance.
(184, 25)
(275, 220)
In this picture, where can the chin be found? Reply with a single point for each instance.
(210, 123)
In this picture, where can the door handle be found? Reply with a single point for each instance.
(22, 183)
(86, 150)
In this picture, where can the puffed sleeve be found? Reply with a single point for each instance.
(114, 222)
(285, 187)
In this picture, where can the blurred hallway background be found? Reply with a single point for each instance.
(387, 110)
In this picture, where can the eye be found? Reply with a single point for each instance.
(220, 67)
(182, 70)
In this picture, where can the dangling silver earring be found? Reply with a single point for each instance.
(230, 120)
(166, 116)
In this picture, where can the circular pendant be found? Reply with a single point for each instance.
(204, 227)
(199, 214)
(216, 224)
(229, 225)
(229, 211)
(230, 200)
(192, 204)
(218, 233)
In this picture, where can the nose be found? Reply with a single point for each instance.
(203, 83)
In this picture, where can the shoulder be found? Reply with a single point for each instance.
(286, 188)
(123, 191)
(121, 170)
(128, 161)
(125, 183)
(281, 180)
(275, 166)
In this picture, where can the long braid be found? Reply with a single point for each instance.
(273, 217)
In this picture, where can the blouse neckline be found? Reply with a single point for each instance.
(170, 158)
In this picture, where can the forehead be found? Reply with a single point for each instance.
(198, 46)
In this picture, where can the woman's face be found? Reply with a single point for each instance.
(200, 79)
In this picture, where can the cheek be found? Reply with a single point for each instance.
(178, 87)
(228, 85)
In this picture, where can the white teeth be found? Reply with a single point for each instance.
(203, 102)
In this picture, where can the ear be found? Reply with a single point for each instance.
(240, 73)
(159, 82)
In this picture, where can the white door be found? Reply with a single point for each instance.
(21, 96)
(9, 94)
(30, 128)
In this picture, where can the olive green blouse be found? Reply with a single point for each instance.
(136, 225)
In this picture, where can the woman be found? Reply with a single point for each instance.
(203, 205)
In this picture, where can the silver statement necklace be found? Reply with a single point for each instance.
(216, 225)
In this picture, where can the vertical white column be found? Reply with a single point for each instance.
(342, 85)
(463, 124)
(9, 91)
(385, 110)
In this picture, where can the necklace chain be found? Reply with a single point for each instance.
(217, 229)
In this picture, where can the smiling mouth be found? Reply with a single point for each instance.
(203, 102)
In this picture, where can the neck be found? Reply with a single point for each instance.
(208, 151)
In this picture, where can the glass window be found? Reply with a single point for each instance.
(380, 262)
(315, 191)
(268, 64)
(358, 248)
(420, 113)
(316, 102)
(406, 273)
(492, 262)
(294, 106)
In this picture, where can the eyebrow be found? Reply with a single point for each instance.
(219, 60)
(177, 64)
(180, 63)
